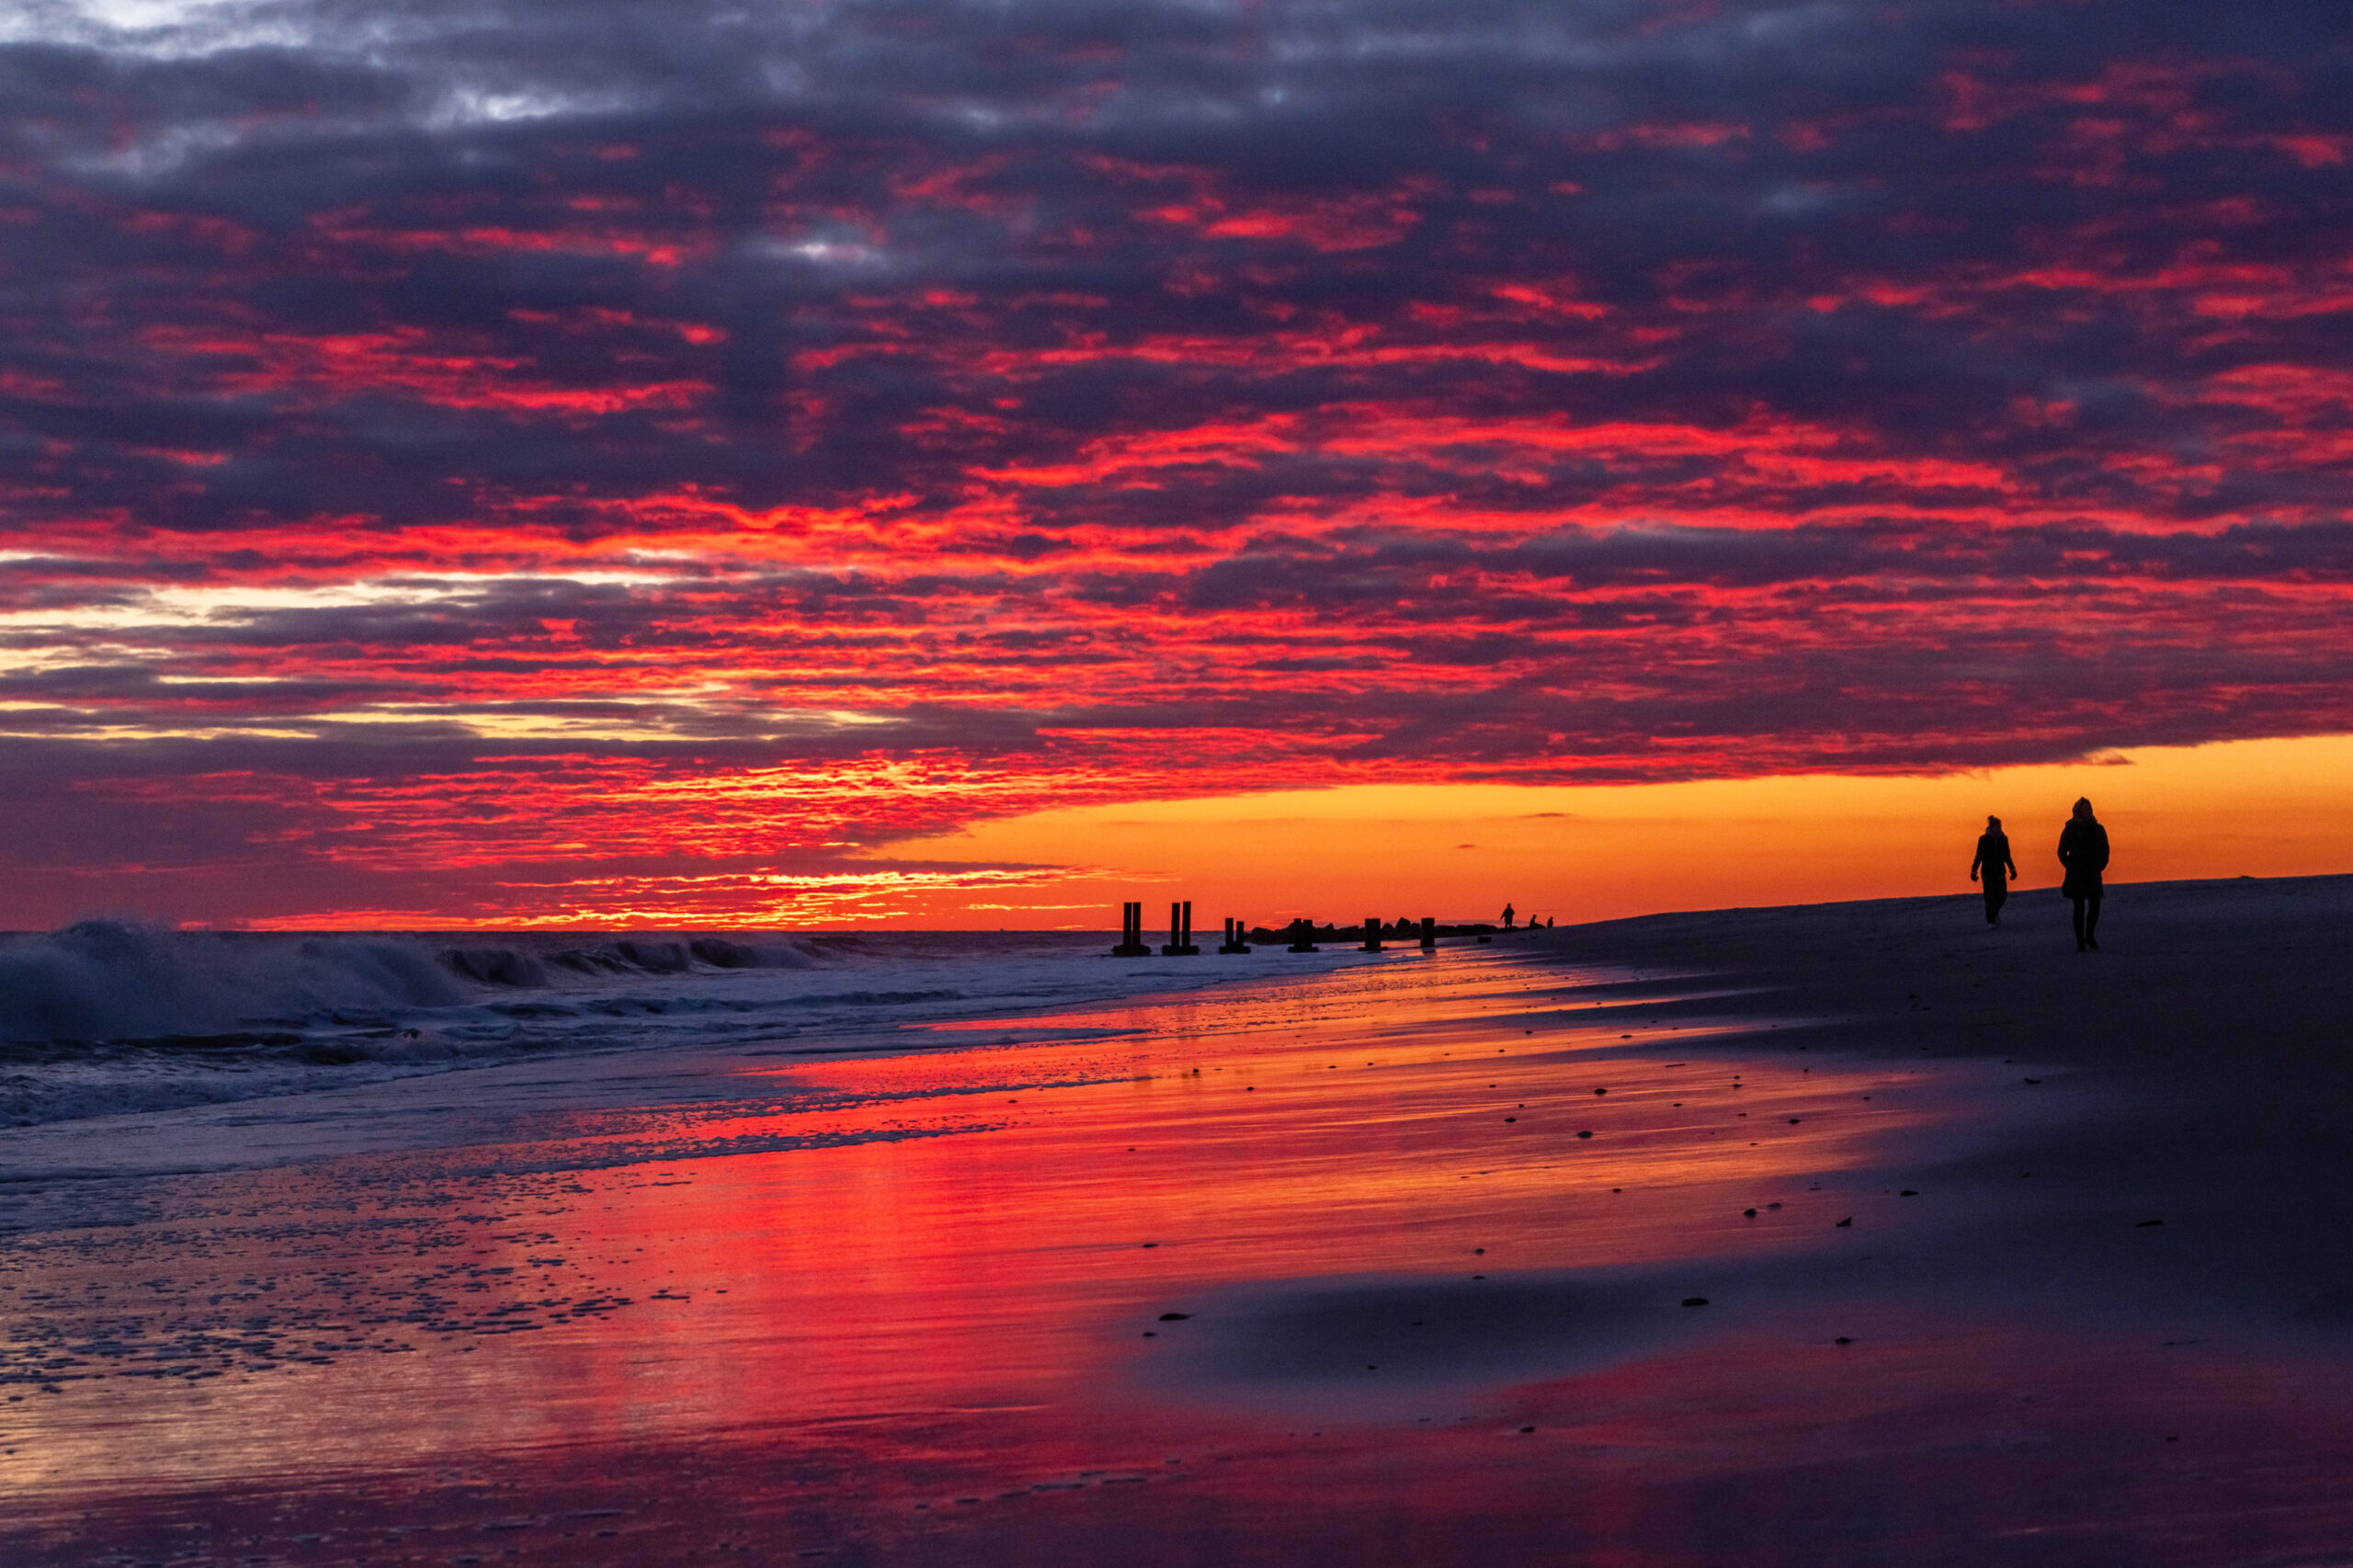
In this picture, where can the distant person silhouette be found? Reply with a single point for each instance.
(2083, 849)
(1994, 859)
(1507, 926)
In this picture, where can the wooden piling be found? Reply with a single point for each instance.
(1132, 943)
(1180, 931)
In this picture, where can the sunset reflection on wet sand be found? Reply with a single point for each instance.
(1422, 1260)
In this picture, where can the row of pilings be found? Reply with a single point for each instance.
(1302, 936)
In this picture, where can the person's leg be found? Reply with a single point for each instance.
(2079, 925)
(1997, 894)
(2091, 924)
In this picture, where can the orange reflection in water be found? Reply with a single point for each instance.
(990, 1227)
(910, 1309)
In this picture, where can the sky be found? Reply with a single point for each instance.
(511, 462)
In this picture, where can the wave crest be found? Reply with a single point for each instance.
(117, 980)
(541, 963)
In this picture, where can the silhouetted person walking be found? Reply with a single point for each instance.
(2083, 849)
(1994, 859)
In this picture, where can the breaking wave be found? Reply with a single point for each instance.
(527, 965)
(110, 980)
(111, 1015)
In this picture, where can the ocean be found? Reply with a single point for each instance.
(111, 1017)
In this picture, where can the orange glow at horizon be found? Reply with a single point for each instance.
(1597, 852)
(1573, 852)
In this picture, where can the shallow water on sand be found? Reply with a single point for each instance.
(1421, 1261)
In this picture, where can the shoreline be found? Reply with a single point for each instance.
(1427, 1231)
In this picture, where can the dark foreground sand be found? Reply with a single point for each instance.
(2008, 1255)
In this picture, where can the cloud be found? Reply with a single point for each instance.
(953, 409)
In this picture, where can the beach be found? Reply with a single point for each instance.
(1852, 1232)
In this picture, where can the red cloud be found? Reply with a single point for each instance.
(584, 518)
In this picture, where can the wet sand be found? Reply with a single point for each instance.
(1747, 1237)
